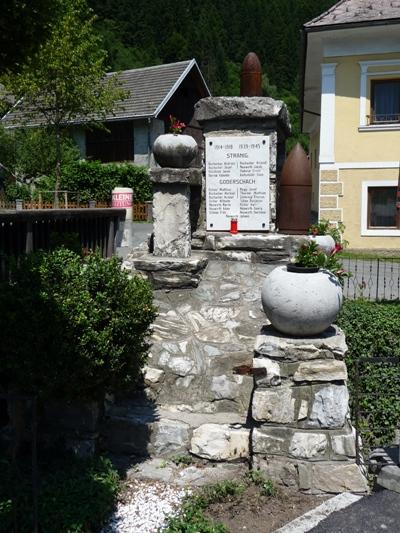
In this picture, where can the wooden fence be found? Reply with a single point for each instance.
(141, 211)
(24, 231)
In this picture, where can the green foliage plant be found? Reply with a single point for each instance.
(64, 81)
(267, 486)
(76, 495)
(373, 329)
(95, 181)
(73, 327)
(192, 518)
(310, 255)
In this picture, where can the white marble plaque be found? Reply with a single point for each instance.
(237, 182)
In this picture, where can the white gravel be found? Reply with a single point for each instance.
(145, 507)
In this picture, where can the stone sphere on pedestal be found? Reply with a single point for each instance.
(174, 150)
(326, 243)
(301, 303)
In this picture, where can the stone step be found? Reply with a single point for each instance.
(156, 432)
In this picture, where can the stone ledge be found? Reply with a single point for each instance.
(235, 107)
(311, 445)
(151, 263)
(189, 176)
(314, 478)
(220, 442)
(328, 345)
(171, 272)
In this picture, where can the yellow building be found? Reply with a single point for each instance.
(351, 109)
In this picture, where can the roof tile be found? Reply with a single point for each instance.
(357, 11)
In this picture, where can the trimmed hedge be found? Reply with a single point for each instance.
(95, 180)
(75, 495)
(373, 329)
(73, 327)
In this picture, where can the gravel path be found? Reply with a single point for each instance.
(145, 507)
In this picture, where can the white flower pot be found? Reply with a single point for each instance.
(301, 304)
(326, 243)
(174, 150)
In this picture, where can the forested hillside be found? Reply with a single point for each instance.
(218, 33)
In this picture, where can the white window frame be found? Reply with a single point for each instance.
(365, 230)
(364, 82)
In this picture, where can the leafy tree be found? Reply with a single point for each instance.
(64, 80)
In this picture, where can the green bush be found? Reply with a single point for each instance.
(95, 180)
(72, 326)
(30, 153)
(373, 329)
(75, 495)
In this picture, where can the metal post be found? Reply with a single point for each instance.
(111, 236)
(377, 279)
(29, 238)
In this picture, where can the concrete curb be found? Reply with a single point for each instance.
(307, 521)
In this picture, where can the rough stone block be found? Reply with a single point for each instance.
(330, 407)
(150, 263)
(271, 440)
(279, 469)
(307, 445)
(272, 375)
(152, 375)
(344, 444)
(220, 442)
(167, 175)
(328, 345)
(171, 204)
(389, 478)
(274, 405)
(169, 436)
(252, 242)
(338, 477)
(321, 370)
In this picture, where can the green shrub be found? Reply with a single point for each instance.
(192, 519)
(95, 180)
(373, 329)
(72, 326)
(75, 495)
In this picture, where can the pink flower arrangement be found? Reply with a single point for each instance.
(176, 126)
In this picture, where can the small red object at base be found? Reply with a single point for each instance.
(234, 226)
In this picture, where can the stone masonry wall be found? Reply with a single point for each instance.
(303, 434)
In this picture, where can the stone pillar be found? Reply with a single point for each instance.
(239, 116)
(171, 210)
(304, 436)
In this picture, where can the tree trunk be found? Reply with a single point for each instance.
(58, 166)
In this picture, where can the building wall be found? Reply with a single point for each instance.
(358, 153)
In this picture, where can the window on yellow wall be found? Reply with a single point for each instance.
(385, 101)
(382, 212)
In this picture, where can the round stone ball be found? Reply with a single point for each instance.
(174, 150)
(326, 243)
(301, 304)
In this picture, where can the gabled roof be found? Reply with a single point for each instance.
(356, 12)
(149, 89)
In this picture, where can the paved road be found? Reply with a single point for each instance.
(379, 512)
(140, 232)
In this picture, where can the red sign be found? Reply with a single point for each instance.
(122, 199)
